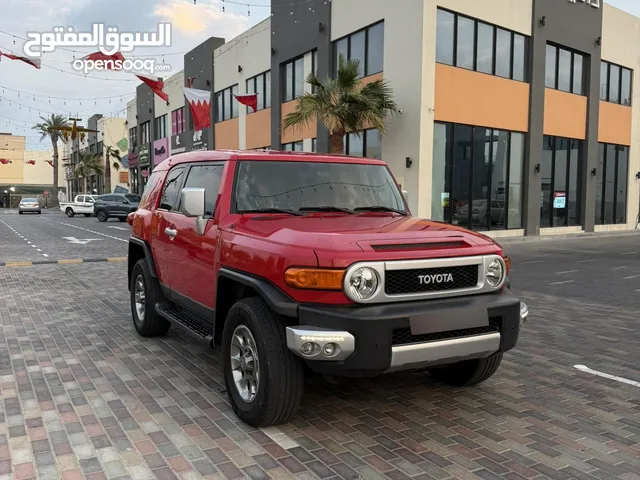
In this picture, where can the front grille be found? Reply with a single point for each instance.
(418, 246)
(402, 336)
(398, 282)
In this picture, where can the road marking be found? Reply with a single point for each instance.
(34, 246)
(70, 260)
(585, 369)
(81, 241)
(117, 259)
(281, 438)
(119, 228)
(91, 231)
(45, 255)
(38, 249)
(530, 262)
(560, 283)
(619, 268)
(18, 264)
(586, 261)
(629, 253)
(631, 276)
(567, 271)
(31, 263)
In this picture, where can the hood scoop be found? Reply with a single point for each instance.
(403, 247)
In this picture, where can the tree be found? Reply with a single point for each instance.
(50, 127)
(88, 164)
(112, 159)
(343, 104)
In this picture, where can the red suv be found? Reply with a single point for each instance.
(284, 259)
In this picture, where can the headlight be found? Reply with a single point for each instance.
(363, 283)
(495, 272)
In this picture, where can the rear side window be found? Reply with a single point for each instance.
(81, 199)
(170, 188)
(207, 177)
(151, 190)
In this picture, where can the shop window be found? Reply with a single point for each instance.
(468, 43)
(611, 184)
(226, 104)
(615, 84)
(260, 84)
(294, 79)
(561, 188)
(564, 70)
(366, 46)
(477, 177)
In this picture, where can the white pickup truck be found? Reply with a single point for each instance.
(82, 204)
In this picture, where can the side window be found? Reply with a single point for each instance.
(170, 189)
(81, 199)
(207, 177)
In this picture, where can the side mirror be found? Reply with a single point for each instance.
(192, 204)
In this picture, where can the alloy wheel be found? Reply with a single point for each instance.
(140, 298)
(244, 363)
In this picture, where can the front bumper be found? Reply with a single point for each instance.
(371, 340)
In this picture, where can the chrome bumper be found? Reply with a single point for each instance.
(524, 313)
(343, 343)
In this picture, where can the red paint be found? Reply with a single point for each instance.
(189, 263)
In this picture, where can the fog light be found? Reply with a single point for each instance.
(330, 349)
(306, 348)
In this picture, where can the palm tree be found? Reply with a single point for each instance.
(112, 159)
(343, 104)
(50, 127)
(88, 164)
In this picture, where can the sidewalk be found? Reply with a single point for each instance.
(568, 236)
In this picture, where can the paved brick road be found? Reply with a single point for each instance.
(83, 395)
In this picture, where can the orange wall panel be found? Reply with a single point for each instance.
(472, 98)
(259, 129)
(228, 134)
(295, 134)
(565, 114)
(614, 124)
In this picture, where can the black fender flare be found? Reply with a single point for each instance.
(277, 300)
(147, 255)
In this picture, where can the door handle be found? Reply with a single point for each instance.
(171, 232)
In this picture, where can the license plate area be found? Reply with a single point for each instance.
(447, 319)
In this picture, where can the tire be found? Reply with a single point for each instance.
(122, 219)
(87, 214)
(149, 324)
(69, 211)
(281, 374)
(102, 216)
(468, 372)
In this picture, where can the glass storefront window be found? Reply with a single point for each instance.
(440, 183)
(611, 184)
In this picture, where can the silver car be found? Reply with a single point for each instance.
(29, 205)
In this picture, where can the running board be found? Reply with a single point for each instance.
(188, 322)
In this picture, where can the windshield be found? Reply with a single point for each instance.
(133, 198)
(306, 185)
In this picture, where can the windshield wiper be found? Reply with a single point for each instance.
(272, 210)
(380, 208)
(325, 208)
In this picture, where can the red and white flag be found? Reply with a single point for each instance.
(156, 84)
(34, 62)
(31, 162)
(5, 161)
(200, 106)
(109, 59)
(249, 100)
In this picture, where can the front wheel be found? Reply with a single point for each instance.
(145, 293)
(69, 211)
(102, 216)
(264, 380)
(468, 372)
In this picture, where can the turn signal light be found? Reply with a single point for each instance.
(314, 278)
(507, 262)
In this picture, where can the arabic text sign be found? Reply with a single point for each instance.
(107, 39)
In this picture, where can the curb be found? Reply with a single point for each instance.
(567, 236)
(67, 261)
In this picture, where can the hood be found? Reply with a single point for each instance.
(368, 233)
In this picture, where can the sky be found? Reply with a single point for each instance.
(27, 93)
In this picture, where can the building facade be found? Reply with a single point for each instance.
(516, 117)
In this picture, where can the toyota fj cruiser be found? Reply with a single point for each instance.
(283, 259)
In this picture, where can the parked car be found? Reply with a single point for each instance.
(282, 259)
(116, 205)
(81, 205)
(29, 205)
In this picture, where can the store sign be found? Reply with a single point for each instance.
(144, 155)
(160, 150)
(178, 144)
(133, 158)
(593, 3)
(559, 200)
(199, 139)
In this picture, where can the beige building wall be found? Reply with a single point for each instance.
(621, 45)
(252, 51)
(42, 173)
(173, 87)
(12, 148)
(110, 132)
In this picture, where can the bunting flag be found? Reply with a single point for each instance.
(156, 84)
(5, 161)
(34, 62)
(249, 100)
(200, 106)
(31, 162)
(96, 56)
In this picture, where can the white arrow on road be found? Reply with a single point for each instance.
(81, 241)
(119, 228)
